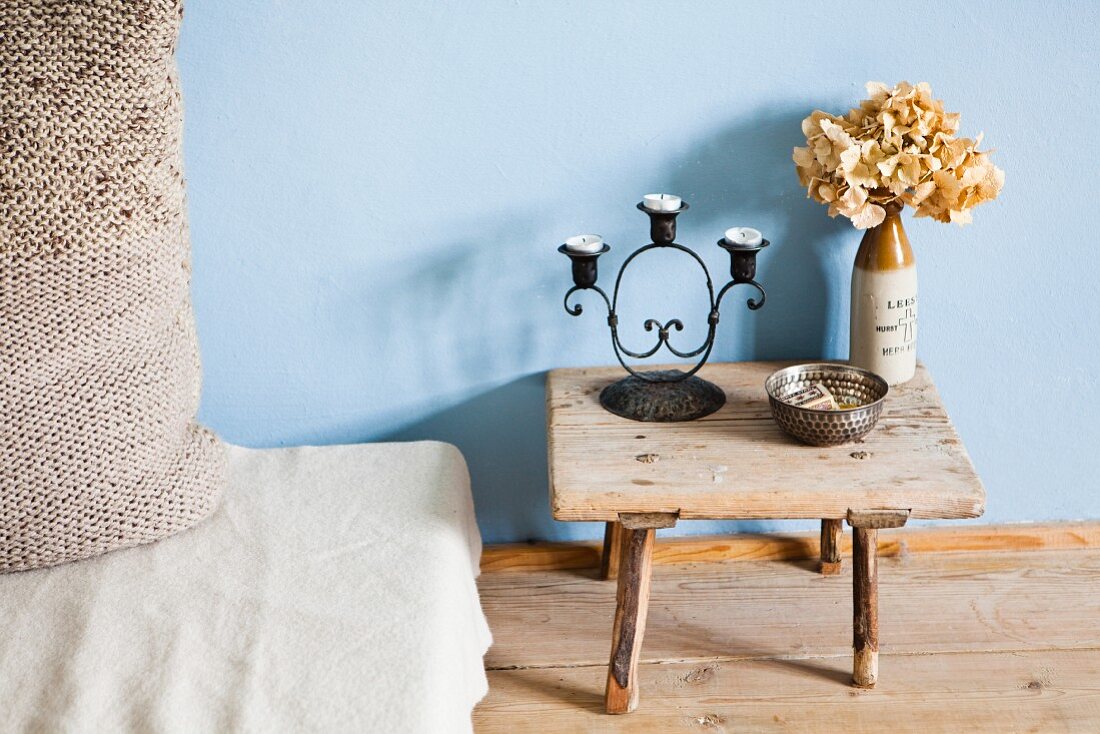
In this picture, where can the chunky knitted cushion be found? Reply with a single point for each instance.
(99, 371)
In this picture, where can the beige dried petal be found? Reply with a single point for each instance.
(946, 184)
(872, 152)
(853, 198)
(807, 174)
(972, 175)
(836, 133)
(959, 150)
(876, 90)
(896, 186)
(938, 213)
(992, 184)
(803, 157)
(887, 165)
(868, 215)
(812, 125)
(863, 175)
(850, 157)
(889, 121)
(811, 189)
(921, 192)
(961, 217)
(909, 173)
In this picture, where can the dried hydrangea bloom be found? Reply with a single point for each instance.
(898, 146)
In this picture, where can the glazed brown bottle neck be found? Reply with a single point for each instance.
(885, 246)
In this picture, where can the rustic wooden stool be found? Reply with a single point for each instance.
(737, 464)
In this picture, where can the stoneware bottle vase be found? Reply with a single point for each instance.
(884, 302)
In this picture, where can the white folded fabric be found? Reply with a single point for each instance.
(333, 590)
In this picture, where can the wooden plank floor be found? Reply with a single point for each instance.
(980, 641)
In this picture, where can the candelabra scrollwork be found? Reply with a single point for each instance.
(663, 395)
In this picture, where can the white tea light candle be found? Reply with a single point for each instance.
(661, 202)
(587, 243)
(744, 236)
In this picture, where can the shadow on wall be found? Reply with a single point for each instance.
(463, 314)
(464, 317)
(502, 434)
(746, 168)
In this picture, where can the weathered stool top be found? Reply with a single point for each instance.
(737, 464)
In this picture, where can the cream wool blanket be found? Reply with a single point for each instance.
(332, 591)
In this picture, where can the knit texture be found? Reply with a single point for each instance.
(99, 369)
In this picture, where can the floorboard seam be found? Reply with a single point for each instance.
(739, 659)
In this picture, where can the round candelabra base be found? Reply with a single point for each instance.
(668, 401)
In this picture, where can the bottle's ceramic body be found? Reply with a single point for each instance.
(884, 303)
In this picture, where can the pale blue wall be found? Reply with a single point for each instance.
(377, 189)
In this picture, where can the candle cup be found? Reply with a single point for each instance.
(584, 265)
(744, 236)
(742, 259)
(662, 225)
(584, 243)
(661, 202)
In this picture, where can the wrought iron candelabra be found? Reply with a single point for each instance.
(663, 395)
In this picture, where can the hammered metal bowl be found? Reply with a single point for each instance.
(827, 427)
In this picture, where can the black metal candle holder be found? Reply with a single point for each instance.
(663, 395)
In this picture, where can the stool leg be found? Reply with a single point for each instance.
(865, 606)
(609, 562)
(830, 547)
(632, 603)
